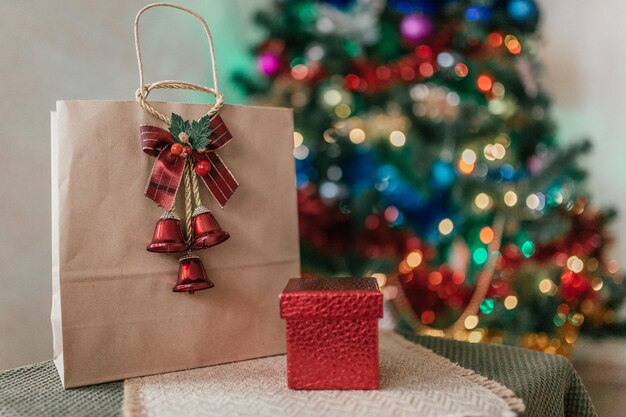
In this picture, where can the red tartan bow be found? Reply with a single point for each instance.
(167, 170)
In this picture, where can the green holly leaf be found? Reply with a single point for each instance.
(201, 143)
(205, 126)
(177, 126)
(194, 132)
(199, 132)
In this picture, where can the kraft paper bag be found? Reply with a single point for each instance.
(114, 313)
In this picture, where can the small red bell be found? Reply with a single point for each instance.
(168, 236)
(206, 230)
(191, 275)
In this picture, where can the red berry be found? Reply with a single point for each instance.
(187, 150)
(203, 168)
(177, 149)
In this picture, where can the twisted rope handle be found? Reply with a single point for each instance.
(196, 190)
(141, 96)
(144, 89)
(187, 175)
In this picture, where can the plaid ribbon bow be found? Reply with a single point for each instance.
(168, 168)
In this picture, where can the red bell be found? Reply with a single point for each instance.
(191, 275)
(206, 230)
(168, 236)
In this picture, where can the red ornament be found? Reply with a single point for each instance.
(352, 82)
(323, 315)
(187, 150)
(206, 231)
(168, 237)
(575, 287)
(435, 290)
(191, 275)
(203, 168)
(177, 149)
(323, 226)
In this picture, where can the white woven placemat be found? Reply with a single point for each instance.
(414, 382)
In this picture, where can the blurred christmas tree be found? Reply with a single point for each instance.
(426, 157)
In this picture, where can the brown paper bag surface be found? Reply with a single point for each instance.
(114, 314)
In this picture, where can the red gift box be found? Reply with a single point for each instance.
(332, 332)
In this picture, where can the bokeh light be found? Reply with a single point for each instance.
(484, 83)
(414, 259)
(480, 256)
(510, 302)
(445, 226)
(357, 136)
(482, 201)
(486, 235)
(468, 156)
(332, 97)
(510, 198)
(298, 139)
(397, 138)
(546, 285)
(470, 322)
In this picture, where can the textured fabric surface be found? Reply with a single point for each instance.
(36, 390)
(548, 384)
(413, 380)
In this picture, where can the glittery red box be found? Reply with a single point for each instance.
(332, 332)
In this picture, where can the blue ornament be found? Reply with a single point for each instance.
(508, 172)
(396, 190)
(302, 180)
(411, 6)
(443, 174)
(478, 13)
(522, 9)
(359, 171)
(426, 220)
(305, 172)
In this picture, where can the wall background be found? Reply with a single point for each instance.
(71, 49)
(585, 72)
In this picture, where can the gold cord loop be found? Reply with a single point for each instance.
(141, 96)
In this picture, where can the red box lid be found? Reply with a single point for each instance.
(346, 298)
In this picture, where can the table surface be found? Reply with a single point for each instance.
(548, 383)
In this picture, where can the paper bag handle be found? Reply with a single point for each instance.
(144, 89)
